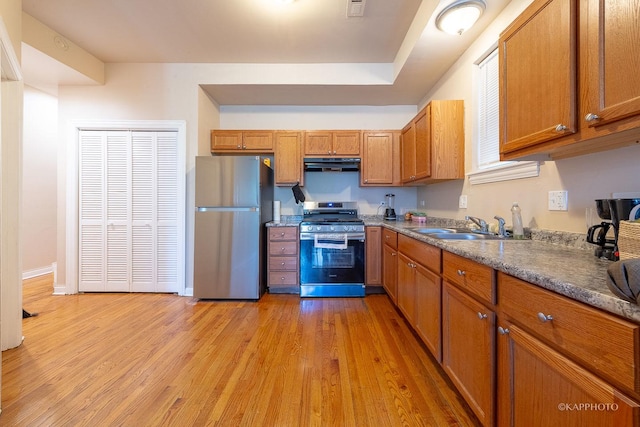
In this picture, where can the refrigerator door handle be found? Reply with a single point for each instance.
(227, 209)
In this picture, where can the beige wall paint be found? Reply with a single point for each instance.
(39, 170)
(585, 178)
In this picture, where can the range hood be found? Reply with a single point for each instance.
(331, 164)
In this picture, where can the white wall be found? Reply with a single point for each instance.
(327, 185)
(39, 170)
(585, 178)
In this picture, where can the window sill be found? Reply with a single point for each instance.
(505, 172)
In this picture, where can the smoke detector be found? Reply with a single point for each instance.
(355, 8)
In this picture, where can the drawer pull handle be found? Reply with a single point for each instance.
(282, 263)
(283, 250)
(482, 316)
(503, 331)
(282, 278)
(545, 317)
(461, 272)
(282, 234)
(592, 117)
(561, 128)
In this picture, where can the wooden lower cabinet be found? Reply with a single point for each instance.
(468, 350)
(283, 260)
(419, 290)
(373, 256)
(390, 263)
(538, 386)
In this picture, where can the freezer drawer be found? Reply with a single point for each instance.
(227, 256)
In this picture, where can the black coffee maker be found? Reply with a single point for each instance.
(598, 234)
(611, 211)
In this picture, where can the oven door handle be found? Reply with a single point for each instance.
(350, 237)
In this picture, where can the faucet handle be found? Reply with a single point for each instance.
(501, 229)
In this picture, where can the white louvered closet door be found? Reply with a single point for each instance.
(128, 212)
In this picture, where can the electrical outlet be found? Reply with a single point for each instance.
(462, 201)
(558, 200)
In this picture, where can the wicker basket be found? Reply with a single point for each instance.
(629, 240)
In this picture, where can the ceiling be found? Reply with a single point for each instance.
(398, 36)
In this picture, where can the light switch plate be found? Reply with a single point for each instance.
(462, 202)
(558, 200)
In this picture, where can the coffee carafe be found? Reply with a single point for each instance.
(389, 212)
(597, 234)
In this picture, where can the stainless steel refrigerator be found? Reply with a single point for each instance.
(234, 201)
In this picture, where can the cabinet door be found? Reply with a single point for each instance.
(373, 253)
(287, 158)
(538, 99)
(406, 287)
(408, 152)
(428, 313)
(377, 159)
(257, 141)
(468, 350)
(226, 140)
(318, 144)
(540, 387)
(346, 143)
(390, 272)
(423, 143)
(611, 57)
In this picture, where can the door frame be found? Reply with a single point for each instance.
(72, 199)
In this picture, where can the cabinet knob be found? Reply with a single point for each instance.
(366, 181)
(393, 254)
(282, 263)
(482, 316)
(561, 128)
(282, 278)
(244, 147)
(592, 117)
(283, 250)
(282, 234)
(329, 152)
(239, 147)
(503, 331)
(461, 273)
(335, 152)
(545, 317)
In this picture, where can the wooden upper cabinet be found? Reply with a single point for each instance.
(550, 103)
(432, 144)
(380, 159)
(237, 141)
(288, 159)
(332, 143)
(538, 75)
(610, 62)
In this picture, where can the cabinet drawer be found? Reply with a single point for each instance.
(427, 255)
(280, 263)
(289, 278)
(390, 238)
(592, 337)
(283, 248)
(283, 233)
(474, 278)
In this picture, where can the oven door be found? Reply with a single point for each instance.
(332, 264)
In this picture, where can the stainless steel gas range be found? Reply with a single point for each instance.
(332, 242)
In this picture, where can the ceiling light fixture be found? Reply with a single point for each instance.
(459, 16)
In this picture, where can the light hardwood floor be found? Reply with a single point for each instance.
(153, 359)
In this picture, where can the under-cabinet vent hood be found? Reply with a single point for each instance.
(331, 165)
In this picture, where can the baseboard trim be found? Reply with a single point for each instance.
(30, 274)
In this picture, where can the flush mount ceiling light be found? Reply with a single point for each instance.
(459, 16)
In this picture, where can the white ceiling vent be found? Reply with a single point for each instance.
(355, 8)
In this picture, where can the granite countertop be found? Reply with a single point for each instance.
(556, 261)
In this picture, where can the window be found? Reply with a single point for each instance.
(487, 166)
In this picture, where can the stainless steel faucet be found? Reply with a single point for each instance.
(479, 222)
(501, 230)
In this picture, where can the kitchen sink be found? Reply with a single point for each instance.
(466, 236)
(429, 230)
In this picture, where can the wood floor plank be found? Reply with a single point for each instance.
(164, 360)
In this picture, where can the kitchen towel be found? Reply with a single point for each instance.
(623, 278)
(276, 210)
(330, 241)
